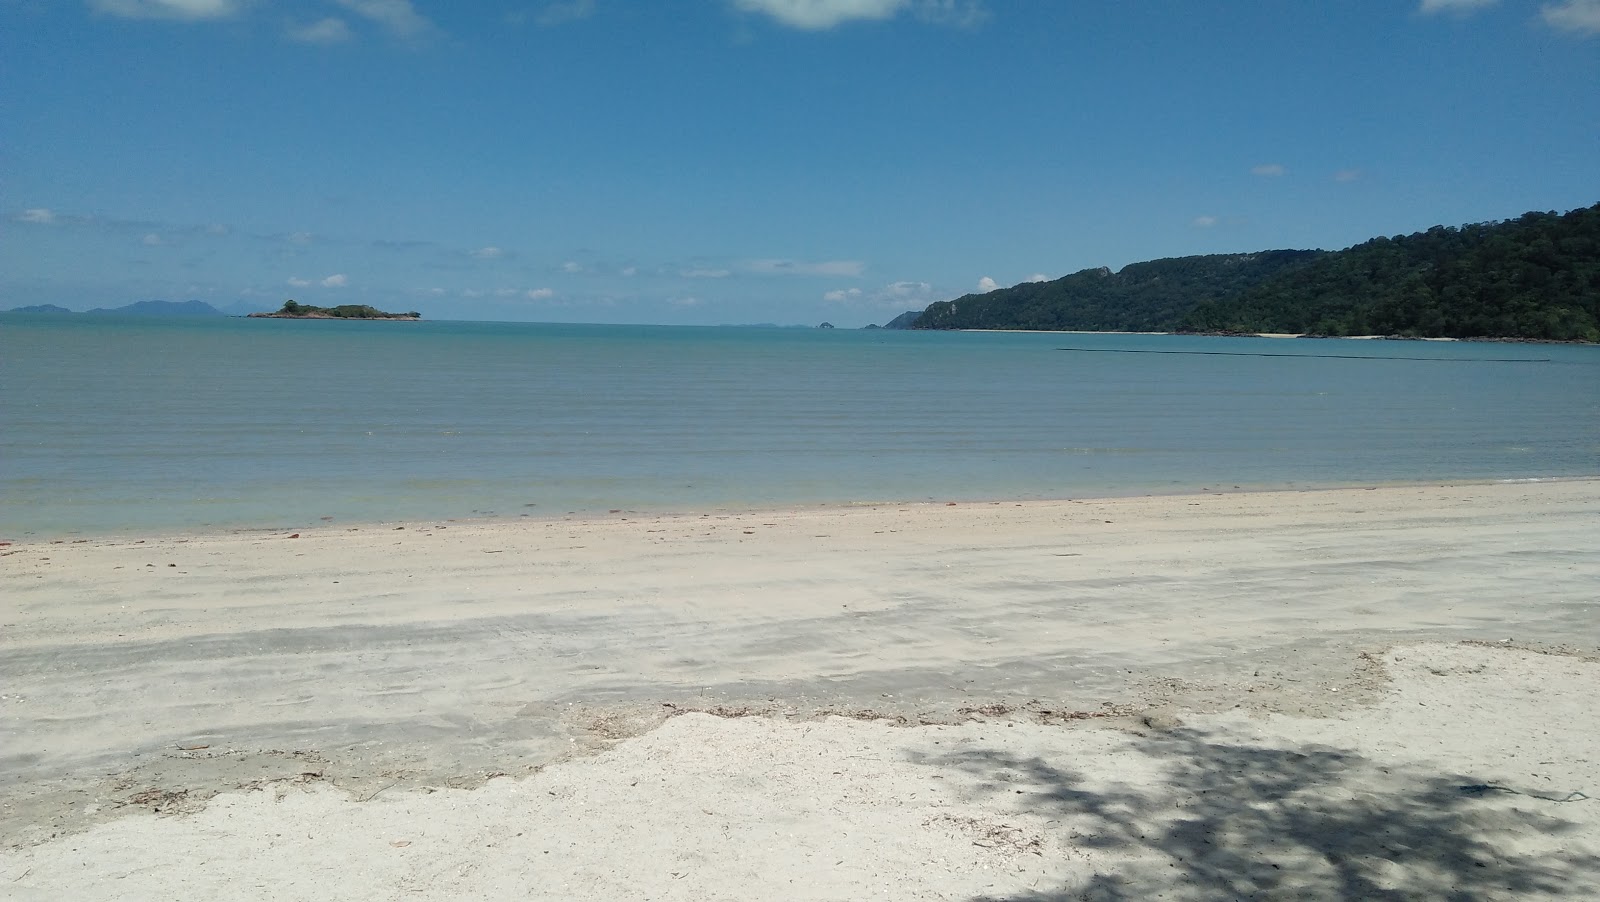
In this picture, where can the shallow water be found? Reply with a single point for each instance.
(113, 424)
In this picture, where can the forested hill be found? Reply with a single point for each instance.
(1534, 277)
(1143, 297)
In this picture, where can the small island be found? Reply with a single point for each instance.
(293, 310)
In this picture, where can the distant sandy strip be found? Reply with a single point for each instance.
(1359, 693)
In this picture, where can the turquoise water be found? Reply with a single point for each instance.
(119, 424)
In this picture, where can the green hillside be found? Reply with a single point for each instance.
(1534, 277)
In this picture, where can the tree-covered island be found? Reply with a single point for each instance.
(1536, 277)
(294, 310)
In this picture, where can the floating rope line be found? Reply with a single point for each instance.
(1311, 356)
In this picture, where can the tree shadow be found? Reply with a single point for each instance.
(1234, 820)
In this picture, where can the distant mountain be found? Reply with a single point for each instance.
(162, 308)
(39, 308)
(904, 320)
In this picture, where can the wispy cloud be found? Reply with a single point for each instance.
(37, 214)
(487, 253)
(1347, 175)
(959, 13)
(1204, 222)
(151, 239)
(399, 17)
(820, 15)
(562, 13)
(685, 301)
(704, 273)
(572, 266)
(799, 268)
(325, 31)
(181, 10)
(1578, 16)
(895, 294)
(1454, 6)
(538, 294)
(297, 282)
(987, 285)
(1268, 170)
(337, 280)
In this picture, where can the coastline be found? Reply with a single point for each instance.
(204, 675)
(1485, 339)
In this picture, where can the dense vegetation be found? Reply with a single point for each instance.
(1143, 297)
(1534, 277)
(343, 311)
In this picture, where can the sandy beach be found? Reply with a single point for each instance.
(1347, 694)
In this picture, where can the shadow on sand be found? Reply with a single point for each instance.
(1233, 820)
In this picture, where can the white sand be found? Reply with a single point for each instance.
(1295, 714)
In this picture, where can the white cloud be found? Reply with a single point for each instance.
(297, 282)
(538, 294)
(841, 295)
(572, 266)
(398, 16)
(1268, 170)
(685, 302)
(987, 285)
(630, 271)
(1205, 222)
(796, 268)
(1455, 6)
(1581, 16)
(183, 10)
(37, 214)
(818, 15)
(487, 253)
(821, 14)
(337, 280)
(1347, 175)
(151, 239)
(326, 31)
(706, 273)
(1038, 277)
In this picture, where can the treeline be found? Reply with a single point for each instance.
(1534, 277)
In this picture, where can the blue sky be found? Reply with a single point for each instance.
(739, 161)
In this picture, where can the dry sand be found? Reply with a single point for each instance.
(1368, 693)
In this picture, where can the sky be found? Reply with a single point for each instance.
(752, 161)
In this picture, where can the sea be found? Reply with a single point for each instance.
(116, 425)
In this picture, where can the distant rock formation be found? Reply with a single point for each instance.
(294, 310)
(39, 308)
(162, 308)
